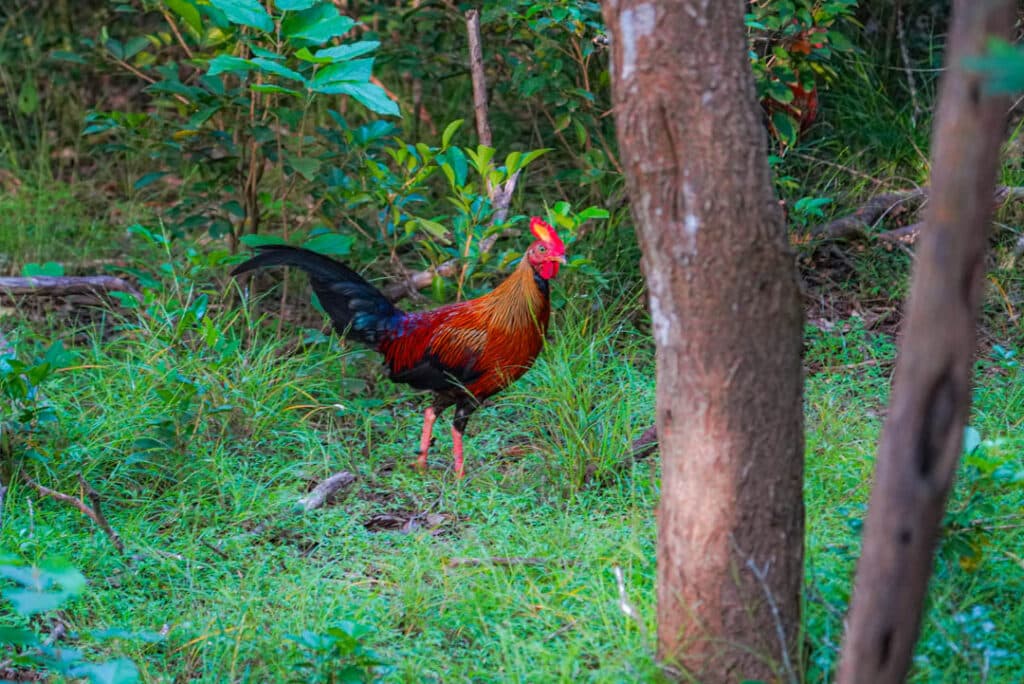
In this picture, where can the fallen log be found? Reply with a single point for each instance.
(61, 286)
(869, 214)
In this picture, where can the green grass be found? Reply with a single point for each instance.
(61, 222)
(206, 435)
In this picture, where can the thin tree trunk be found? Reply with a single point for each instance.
(921, 440)
(727, 322)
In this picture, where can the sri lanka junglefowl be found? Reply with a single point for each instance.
(462, 352)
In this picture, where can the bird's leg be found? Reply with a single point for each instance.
(457, 450)
(462, 412)
(429, 416)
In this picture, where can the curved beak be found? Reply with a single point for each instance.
(560, 259)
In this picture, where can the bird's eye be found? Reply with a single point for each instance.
(542, 249)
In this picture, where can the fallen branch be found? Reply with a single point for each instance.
(861, 221)
(325, 490)
(94, 512)
(870, 213)
(506, 561)
(59, 286)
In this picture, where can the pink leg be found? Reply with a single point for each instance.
(429, 416)
(457, 449)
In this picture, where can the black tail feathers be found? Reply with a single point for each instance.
(356, 307)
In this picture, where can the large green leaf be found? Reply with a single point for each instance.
(369, 95)
(355, 71)
(294, 5)
(228, 64)
(316, 25)
(246, 13)
(30, 601)
(333, 244)
(120, 671)
(343, 52)
(276, 68)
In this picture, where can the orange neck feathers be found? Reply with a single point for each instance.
(518, 304)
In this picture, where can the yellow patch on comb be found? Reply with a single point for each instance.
(544, 232)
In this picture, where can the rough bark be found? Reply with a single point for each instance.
(921, 439)
(726, 314)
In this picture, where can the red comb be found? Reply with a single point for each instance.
(545, 232)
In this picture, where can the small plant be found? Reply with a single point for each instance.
(23, 408)
(44, 589)
(339, 655)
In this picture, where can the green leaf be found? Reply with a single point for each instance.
(457, 158)
(449, 131)
(258, 240)
(306, 56)
(593, 213)
(343, 52)
(188, 13)
(269, 66)
(50, 268)
(369, 95)
(1002, 67)
(272, 88)
(972, 439)
(481, 158)
(118, 671)
(305, 166)
(294, 5)
(316, 25)
(30, 601)
(148, 179)
(433, 228)
(17, 636)
(246, 13)
(28, 96)
(785, 126)
(531, 156)
(229, 64)
(66, 56)
(355, 71)
(332, 244)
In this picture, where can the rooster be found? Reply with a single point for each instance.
(463, 352)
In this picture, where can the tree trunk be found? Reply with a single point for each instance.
(727, 321)
(921, 439)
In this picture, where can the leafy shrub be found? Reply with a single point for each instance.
(43, 589)
(339, 654)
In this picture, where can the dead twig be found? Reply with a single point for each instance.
(761, 575)
(217, 551)
(59, 286)
(325, 490)
(506, 561)
(94, 512)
